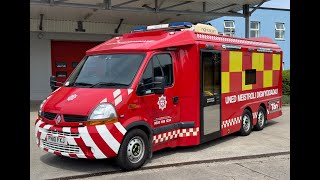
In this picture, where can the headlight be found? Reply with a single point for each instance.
(41, 105)
(104, 113)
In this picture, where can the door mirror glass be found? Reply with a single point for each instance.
(53, 83)
(158, 85)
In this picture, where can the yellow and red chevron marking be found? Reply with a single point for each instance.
(93, 142)
(177, 133)
(267, 66)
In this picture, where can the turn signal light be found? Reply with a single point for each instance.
(101, 122)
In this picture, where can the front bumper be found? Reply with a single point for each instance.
(91, 142)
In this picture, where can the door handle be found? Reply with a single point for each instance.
(175, 100)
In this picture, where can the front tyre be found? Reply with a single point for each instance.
(134, 150)
(246, 123)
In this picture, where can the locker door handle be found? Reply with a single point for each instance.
(175, 100)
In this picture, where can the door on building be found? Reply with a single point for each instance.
(65, 56)
(210, 94)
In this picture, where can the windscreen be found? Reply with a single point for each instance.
(109, 70)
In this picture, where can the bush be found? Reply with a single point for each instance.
(286, 82)
(285, 99)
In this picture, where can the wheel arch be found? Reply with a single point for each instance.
(144, 126)
(249, 108)
(265, 109)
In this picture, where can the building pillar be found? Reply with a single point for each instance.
(246, 14)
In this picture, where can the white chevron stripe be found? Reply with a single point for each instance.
(81, 154)
(108, 138)
(89, 142)
(120, 128)
(118, 100)
(47, 126)
(130, 91)
(116, 93)
(65, 154)
(37, 127)
(104, 100)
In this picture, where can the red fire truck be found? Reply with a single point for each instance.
(161, 86)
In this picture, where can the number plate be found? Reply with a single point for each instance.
(57, 139)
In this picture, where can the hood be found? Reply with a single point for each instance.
(81, 101)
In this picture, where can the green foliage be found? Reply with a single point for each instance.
(285, 99)
(286, 82)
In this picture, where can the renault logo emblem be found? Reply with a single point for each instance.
(58, 119)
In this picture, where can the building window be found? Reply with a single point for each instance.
(250, 76)
(254, 29)
(229, 28)
(279, 35)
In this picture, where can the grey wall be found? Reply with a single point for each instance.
(40, 59)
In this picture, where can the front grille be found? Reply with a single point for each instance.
(61, 133)
(74, 118)
(49, 115)
(72, 149)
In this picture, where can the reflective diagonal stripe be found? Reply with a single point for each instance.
(108, 138)
(37, 127)
(118, 100)
(104, 100)
(116, 93)
(89, 142)
(120, 128)
(48, 126)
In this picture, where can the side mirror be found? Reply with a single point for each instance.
(158, 87)
(53, 83)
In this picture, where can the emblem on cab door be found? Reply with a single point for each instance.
(72, 97)
(162, 102)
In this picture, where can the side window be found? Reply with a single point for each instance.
(159, 65)
(162, 63)
(147, 76)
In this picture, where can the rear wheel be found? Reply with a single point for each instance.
(133, 151)
(261, 119)
(246, 125)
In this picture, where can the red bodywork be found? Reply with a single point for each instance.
(134, 108)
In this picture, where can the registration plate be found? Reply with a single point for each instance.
(57, 139)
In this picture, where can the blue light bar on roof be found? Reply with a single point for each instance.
(181, 24)
(140, 28)
(164, 26)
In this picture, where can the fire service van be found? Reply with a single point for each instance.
(161, 86)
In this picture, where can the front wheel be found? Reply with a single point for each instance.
(133, 151)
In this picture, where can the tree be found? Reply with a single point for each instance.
(286, 82)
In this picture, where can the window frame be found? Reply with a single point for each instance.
(145, 68)
(256, 30)
(279, 30)
(230, 32)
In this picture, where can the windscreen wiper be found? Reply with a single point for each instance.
(82, 84)
(108, 84)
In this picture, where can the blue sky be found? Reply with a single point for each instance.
(285, 4)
